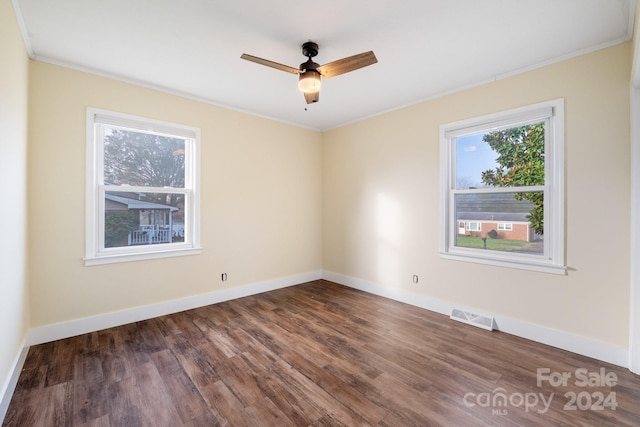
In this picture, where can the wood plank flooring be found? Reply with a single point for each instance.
(317, 354)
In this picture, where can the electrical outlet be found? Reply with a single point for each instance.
(223, 276)
(415, 278)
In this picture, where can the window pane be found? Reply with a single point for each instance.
(143, 159)
(479, 216)
(143, 218)
(511, 157)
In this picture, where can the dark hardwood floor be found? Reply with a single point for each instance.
(315, 354)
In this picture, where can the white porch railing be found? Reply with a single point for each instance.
(148, 235)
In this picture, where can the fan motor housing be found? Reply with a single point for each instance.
(310, 49)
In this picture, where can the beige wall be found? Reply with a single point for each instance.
(13, 183)
(381, 201)
(260, 194)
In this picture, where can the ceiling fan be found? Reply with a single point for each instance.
(310, 73)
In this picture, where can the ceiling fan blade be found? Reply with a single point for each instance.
(347, 64)
(271, 64)
(312, 97)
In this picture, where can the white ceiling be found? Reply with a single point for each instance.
(425, 48)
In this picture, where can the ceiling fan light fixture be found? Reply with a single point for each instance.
(310, 74)
(309, 81)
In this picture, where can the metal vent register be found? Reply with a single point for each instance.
(474, 319)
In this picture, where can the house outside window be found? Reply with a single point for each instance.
(503, 178)
(142, 188)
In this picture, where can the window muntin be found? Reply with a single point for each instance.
(505, 170)
(142, 188)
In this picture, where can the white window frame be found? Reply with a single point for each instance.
(553, 258)
(95, 252)
(505, 226)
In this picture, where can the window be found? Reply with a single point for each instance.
(142, 188)
(474, 226)
(505, 172)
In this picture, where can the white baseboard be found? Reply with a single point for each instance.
(577, 344)
(566, 341)
(12, 380)
(85, 325)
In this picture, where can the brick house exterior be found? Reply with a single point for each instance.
(508, 225)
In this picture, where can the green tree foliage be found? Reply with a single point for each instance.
(136, 158)
(521, 163)
(117, 226)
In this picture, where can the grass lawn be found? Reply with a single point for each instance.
(492, 244)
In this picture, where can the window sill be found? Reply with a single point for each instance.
(139, 256)
(509, 263)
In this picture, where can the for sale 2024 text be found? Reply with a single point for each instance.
(587, 398)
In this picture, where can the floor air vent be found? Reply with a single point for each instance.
(478, 320)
